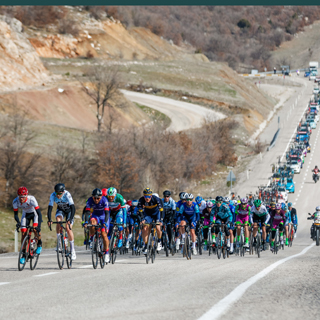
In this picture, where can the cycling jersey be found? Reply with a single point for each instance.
(261, 212)
(30, 211)
(205, 217)
(99, 210)
(189, 214)
(151, 208)
(116, 204)
(277, 218)
(243, 211)
(223, 212)
(178, 205)
(171, 204)
(63, 203)
(294, 216)
(202, 205)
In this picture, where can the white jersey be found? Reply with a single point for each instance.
(261, 212)
(202, 206)
(30, 206)
(63, 203)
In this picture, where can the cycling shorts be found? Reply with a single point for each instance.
(133, 219)
(260, 219)
(242, 219)
(64, 215)
(155, 217)
(190, 219)
(26, 218)
(101, 220)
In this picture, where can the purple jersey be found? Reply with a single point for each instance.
(99, 209)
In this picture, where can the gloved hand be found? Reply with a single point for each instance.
(38, 229)
(18, 225)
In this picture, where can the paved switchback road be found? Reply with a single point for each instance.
(174, 288)
(183, 115)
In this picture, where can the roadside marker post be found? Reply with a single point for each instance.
(15, 241)
(231, 178)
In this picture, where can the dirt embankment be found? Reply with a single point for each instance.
(70, 108)
(108, 39)
(19, 63)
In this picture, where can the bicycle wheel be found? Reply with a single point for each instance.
(251, 243)
(101, 253)
(317, 236)
(165, 242)
(60, 251)
(155, 244)
(22, 254)
(218, 245)
(148, 256)
(87, 238)
(188, 248)
(200, 243)
(258, 244)
(33, 256)
(173, 244)
(68, 256)
(133, 239)
(94, 252)
(242, 249)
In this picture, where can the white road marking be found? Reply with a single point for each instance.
(45, 274)
(88, 266)
(2, 283)
(223, 305)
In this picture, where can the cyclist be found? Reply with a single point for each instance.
(30, 211)
(118, 212)
(259, 214)
(278, 218)
(183, 199)
(294, 218)
(201, 203)
(205, 221)
(151, 207)
(243, 211)
(99, 208)
(65, 210)
(316, 217)
(232, 208)
(134, 220)
(169, 210)
(288, 220)
(188, 213)
(221, 213)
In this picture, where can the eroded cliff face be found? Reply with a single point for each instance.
(20, 65)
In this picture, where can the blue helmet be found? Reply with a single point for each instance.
(290, 204)
(283, 206)
(231, 203)
(198, 199)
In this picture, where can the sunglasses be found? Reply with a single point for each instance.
(97, 197)
(167, 196)
(218, 202)
(147, 197)
(189, 199)
(58, 193)
(22, 196)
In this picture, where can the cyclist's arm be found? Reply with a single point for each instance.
(39, 217)
(173, 205)
(49, 212)
(16, 216)
(73, 211)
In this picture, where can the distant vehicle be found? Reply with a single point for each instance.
(317, 79)
(307, 74)
(283, 193)
(302, 136)
(312, 123)
(316, 90)
(312, 76)
(290, 187)
(313, 67)
(294, 165)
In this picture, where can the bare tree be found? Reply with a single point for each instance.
(104, 83)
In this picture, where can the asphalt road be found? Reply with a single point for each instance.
(282, 285)
(183, 115)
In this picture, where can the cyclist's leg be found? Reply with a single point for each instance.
(120, 220)
(146, 230)
(59, 217)
(104, 234)
(23, 228)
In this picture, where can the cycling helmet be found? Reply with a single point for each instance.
(189, 196)
(231, 203)
(134, 203)
(257, 203)
(219, 198)
(238, 202)
(289, 204)
(213, 201)
(273, 205)
(318, 208)
(60, 187)
(97, 193)
(244, 201)
(22, 191)
(181, 195)
(155, 194)
(129, 203)
(111, 192)
(316, 167)
(226, 200)
(283, 206)
(104, 192)
(198, 199)
(278, 206)
(147, 192)
(209, 204)
(166, 193)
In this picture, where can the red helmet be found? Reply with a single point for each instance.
(22, 191)
(104, 192)
(129, 203)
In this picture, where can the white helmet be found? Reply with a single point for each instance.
(155, 194)
(318, 208)
(226, 199)
(190, 196)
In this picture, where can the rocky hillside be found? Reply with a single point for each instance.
(20, 64)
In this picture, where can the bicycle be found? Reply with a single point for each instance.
(221, 241)
(240, 249)
(87, 237)
(135, 250)
(291, 234)
(114, 242)
(152, 243)
(209, 241)
(200, 239)
(62, 246)
(165, 239)
(276, 243)
(97, 250)
(29, 253)
(187, 243)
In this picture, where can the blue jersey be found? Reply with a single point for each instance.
(192, 211)
(63, 203)
(223, 213)
(100, 209)
(171, 204)
(233, 211)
